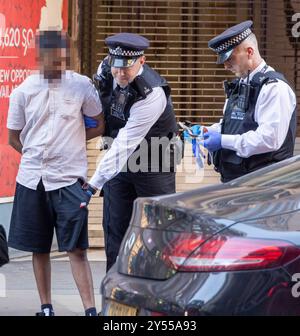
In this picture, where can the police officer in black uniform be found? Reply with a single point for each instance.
(259, 123)
(138, 110)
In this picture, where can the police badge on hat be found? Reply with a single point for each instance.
(125, 49)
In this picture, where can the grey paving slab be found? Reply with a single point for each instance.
(18, 294)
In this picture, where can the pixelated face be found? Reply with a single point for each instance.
(52, 53)
(53, 62)
(125, 75)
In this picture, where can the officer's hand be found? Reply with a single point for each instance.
(196, 129)
(90, 122)
(212, 141)
(89, 191)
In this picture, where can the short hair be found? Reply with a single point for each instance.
(52, 39)
(251, 39)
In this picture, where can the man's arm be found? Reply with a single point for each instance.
(143, 116)
(97, 131)
(14, 140)
(16, 120)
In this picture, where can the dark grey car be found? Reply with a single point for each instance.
(231, 249)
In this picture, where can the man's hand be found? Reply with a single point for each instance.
(195, 130)
(14, 140)
(212, 141)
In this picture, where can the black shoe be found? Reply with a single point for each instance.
(91, 312)
(45, 312)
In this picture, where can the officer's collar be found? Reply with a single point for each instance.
(138, 74)
(255, 71)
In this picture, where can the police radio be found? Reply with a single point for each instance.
(244, 92)
(99, 81)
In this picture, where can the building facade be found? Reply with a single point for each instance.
(179, 32)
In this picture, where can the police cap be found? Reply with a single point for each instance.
(224, 43)
(125, 49)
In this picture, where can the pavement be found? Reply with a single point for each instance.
(19, 296)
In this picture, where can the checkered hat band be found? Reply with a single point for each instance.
(233, 41)
(125, 53)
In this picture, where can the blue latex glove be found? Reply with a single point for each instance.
(197, 130)
(212, 141)
(90, 122)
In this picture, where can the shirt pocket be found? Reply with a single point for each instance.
(70, 108)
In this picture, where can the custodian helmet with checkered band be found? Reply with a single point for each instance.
(125, 49)
(224, 43)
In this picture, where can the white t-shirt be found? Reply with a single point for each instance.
(53, 132)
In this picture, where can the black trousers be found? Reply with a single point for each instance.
(119, 196)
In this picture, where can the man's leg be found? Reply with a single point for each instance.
(83, 277)
(42, 272)
(72, 236)
(31, 230)
(119, 195)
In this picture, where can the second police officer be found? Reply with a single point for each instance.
(259, 122)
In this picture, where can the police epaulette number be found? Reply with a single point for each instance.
(272, 80)
(140, 85)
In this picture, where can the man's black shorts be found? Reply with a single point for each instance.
(37, 212)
